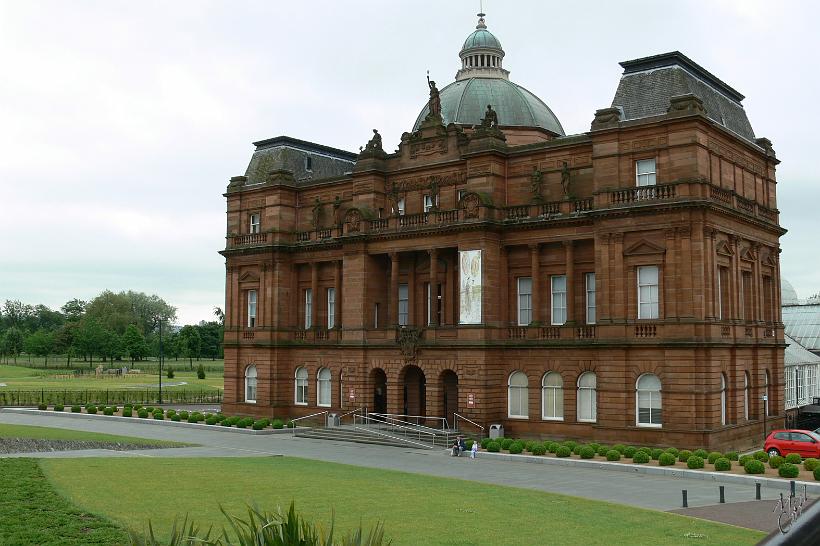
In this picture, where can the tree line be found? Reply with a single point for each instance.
(111, 327)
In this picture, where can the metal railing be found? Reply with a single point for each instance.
(396, 416)
(456, 417)
(362, 409)
(307, 417)
(374, 424)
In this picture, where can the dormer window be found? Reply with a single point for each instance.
(308, 163)
(255, 226)
(645, 172)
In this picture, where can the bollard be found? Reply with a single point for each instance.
(722, 496)
(685, 502)
(757, 491)
(792, 484)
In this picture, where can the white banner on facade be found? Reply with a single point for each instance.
(470, 287)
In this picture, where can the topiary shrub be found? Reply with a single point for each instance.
(170, 412)
(42, 406)
(170, 372)
(776, 461)
(619, 448)
(538, 449)
(553, 447)
(183, 414)
(200, 372)
(694, 462)
(683, 455)
(810, 464)
(150, 409)
(260, 424)
(673, 450)
(714, 456)
(76, 409)
(493, 447)
(595, 446)
(656, 454)
(193, 418)
(484, 441)
(91, 409)
(159, 416)
(794, 458)
(506, 443)
(143, 413)
(516, 448)
(108, 411)
(570, 444)
(702, 453)
(603, 450)
(528, 445)
(127, 412)
(211, 420)
(754, 466)
(743, 458)
(732, 456)
(667, 459)
(563, 451)
(176, 418)
(278, 424)
(722, 464)
(641, 457)
(645, 449)
(59, 407)
(788, 470)
(817, 473)
(761, 456)
(613, 455)
(577, 449)
(629, 452)
(587, 452)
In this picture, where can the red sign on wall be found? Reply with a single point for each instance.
(352, 394)
(471, 400)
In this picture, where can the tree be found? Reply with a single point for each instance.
(17, 314)
(64, 339)
(40, 343)
(211, 335)
(190, 343)
(74, 309)
(134, 343)
(112, 346)
(90, 338)
(148, 310)
(220, 315)
(46, 319)
(13, 342)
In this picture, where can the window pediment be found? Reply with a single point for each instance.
(748, 254)
(249, 276)
(644, 248)
(724, 249)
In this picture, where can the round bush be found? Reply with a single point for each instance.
(667, 459)
(108, 411)
(516, 448)
(211, 420)
(754, 466)
(603, 450)
(595, 446)
(645, 449)
(684, 455)
(613, 455)
(577, 449)
(528, 445)
(91, 409)
(794, 458)
(291, 424)
(143, 413)
(570, 444)
(127, 412)
(619, 448)
(150, 409)
(714, 456)
(629, 452)
(776, 461)
(694, 462)
(242, 424)
(538, 449)
(553, 447)
(564, 451)
(59, 407)
(761, 456)
(656, 454)
(817, 473)
(493, 447)
(587, 452)
(722, 464)
(260, 424)
(641, 457)
(42, 406)
(506, 443)
(484, 441)
(171, 412)
(175, 417)
(788, 470)
(743, 458)
(702, 453)
(159, 416)
(76, 409)
(278, 424)
(673, 450)
(810, 464)
(732, 456)
(183, 415)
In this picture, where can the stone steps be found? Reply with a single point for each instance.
(357, 435)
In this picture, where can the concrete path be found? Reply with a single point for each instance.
(646, 491)
(758, 515)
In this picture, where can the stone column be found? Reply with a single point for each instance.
(757, 284)
(535, 273)
(394, 288)
(314, 288)
(685, 293)
(669, 303)
(737, 284)
(711, 297)
(337, 284)
(433, 303)
(569, 251)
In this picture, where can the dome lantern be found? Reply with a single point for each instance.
(481, 55)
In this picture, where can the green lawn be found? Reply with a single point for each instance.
(415, 509)
(46, 433)
(19, 378)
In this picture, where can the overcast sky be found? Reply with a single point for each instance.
(121, 122)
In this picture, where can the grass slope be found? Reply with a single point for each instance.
(46, 433)
(30, 379)
(415, 509)
(31, 512)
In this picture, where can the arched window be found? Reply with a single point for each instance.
(301, 386)
(518, 395)
(722, 399)
(746, 385)
(552, 396)
(768, 394)
(648, 401)
(323, 387)
(587, 397)
(250, 384)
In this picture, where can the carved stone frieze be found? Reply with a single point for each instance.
(470, 203)
(729, 154)
(407, 339)
(426, 182)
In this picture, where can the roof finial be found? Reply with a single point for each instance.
(481, 15)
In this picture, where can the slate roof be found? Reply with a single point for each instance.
(288, 153)
(797, 355)
(648, 83)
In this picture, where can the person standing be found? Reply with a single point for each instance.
(474, 450)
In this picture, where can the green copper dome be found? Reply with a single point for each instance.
(481, 38)
(464, 102)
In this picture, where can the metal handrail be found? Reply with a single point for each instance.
(388, 416)
(379, 433)
(457, 417)
(367, 418)
(304, 417)
(353, 411)
(442, 419)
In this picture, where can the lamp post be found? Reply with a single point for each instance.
(160, 360)
(765, 413)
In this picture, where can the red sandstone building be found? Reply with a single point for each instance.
(619, 285)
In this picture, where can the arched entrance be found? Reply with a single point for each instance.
(414, 386)
(379, 381)
(449, 390)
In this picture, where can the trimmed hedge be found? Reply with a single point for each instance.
(493, 447)
(761, 456)
(776, 461)
(587, 452)
(76, 409)
(613, 455)
(794, 458)
(788, 470)
(754, 466)
(563, 451)
(817, 473)
(694, 462)
(723, 464)
(702, 453)
(127, 412)
(684, 455)
(538, 449)
(667, 459)
(810, 464)
(732, 456)
(714, 456)
(641, 457)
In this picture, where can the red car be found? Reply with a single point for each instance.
(803, 442)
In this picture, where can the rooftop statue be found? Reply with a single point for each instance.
(565, 179)
(374, 143)
(490, 118)
(435, 100)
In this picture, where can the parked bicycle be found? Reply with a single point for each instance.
(790, 510)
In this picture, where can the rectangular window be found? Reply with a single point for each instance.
(428, 202)
(559, 299)
(251, 308)
(790, 399)
(590, 281)
(400, 206)
(331, 308)
(648, 292)
(308, 163)
(460, 195)
(645, 172)
(308, 308)
(524, 301)
(255, 222)
(404, 304)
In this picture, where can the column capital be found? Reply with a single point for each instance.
(568, 243)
